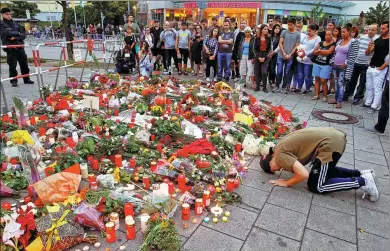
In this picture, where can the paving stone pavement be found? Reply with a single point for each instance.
(275, 218)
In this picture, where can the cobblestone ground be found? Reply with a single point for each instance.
(275, 218)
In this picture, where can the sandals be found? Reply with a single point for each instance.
(332, 102)
(339, 105)
(315, 98)
(325, 100)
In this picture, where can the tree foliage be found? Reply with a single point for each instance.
(316, 13)
(113, 12)
(379, 14)
(18, 9)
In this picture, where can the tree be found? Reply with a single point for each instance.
(316, 13)
(19, 9)
(66, 28)
(377, 15)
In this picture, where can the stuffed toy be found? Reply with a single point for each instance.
(301, 53)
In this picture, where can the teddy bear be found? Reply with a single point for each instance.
(301, 53)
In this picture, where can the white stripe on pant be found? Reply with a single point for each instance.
(374, 86)
(332, 187)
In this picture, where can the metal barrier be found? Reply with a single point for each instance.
(2, 80)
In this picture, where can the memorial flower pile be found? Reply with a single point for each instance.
(115, 147)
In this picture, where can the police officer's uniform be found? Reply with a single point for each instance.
(8, 30)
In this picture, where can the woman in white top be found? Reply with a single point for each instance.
(149, 37)
(305, 65)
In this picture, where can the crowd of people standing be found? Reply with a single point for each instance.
(270, 57)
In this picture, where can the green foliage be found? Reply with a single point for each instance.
(161, 235)
(67, 160)
(379, 14)
(132, 146)
(166, 127)
(14, 179)
(108, 147)
(316, 13)
(112, 10)
(86, 147)
(18, 9)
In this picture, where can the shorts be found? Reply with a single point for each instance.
(235, 56)
(246, 66)
(185, 53)
(322, 71)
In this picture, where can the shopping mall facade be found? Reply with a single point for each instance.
(255, 12)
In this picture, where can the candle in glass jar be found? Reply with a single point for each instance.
(144, 220)
(153, 166)
(185, 211)
(84, 170)
(238, 147)
(97, 129)
(118, 160)
(206, 198)
(198, 206)
(93, 185)
(181, 182)
(130, 228)
(42, 131)
(110, 232)
(128, 209)
(91, 177)
(171, 187)
(230, 185)
(95, 164)
(30, 191)
(146, 182)
(33, 121)
(114, 217)
(159, 147)
(132, 163)
(116, 112)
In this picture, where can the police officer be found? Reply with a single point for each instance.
(12, 33)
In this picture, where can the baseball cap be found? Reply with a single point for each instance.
(5, 10)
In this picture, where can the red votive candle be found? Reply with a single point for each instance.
(153, 166)
(238, 147)
(30, 191)
(95, 164)
(159, 147)
(185, 211)
(128, 209)
(146, 182)
(171, 187)
(230, 185)
(116, 112)
(33, 121)
(118, 160)
(181, 182)
(42, 131)
(132, 162)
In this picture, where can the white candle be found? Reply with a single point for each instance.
(144, 219)
(9, 114)
(75, 137)
(164, 189)
(131, 187)
(84, 170)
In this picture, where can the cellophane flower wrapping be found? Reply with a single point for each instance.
(256, 146)
(87, 215)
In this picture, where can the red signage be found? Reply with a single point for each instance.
(193, 5)
(234, 5)
(190, 5)
(158, 11)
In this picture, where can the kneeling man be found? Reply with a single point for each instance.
(322, 147)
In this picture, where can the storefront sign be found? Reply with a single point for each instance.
(158, 11)
(190, 5)
(233, 5)
(193, 5)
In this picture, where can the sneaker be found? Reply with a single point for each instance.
(366, 106)
(305, 92)
(356, 101)
(284, 91)
(14, 83)
(265, 89)
(370, 187)
(236, 79)
(185, 73)
(373, 130)
(208, 79)
(165, 72)
(367, 171)
(276, 89)
(215, 79)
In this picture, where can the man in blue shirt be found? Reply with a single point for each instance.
(225, 50)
